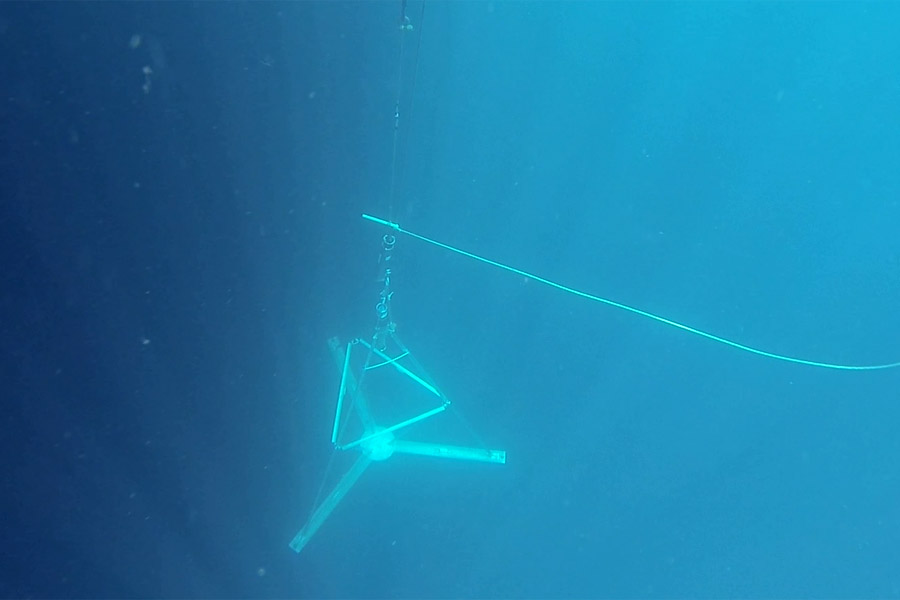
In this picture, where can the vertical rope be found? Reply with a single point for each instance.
(399, 142)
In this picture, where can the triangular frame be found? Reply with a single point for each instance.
(378, 442)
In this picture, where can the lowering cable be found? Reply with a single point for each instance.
(404, 27)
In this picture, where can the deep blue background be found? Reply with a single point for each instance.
(174, 259)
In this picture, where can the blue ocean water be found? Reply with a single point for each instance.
(180, 195)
